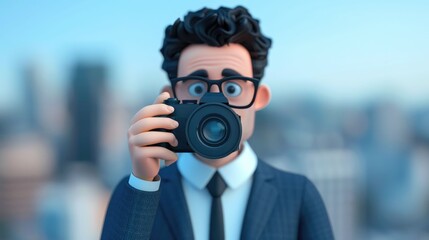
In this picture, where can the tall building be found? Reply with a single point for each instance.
(88, 82)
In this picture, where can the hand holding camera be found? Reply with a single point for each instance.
(142, 136)
(208, 127)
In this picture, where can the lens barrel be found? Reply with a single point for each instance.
(213, 130)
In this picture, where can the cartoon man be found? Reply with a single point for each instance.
(233, 197)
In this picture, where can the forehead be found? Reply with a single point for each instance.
(214, 60)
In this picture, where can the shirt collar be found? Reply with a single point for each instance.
(234, 173)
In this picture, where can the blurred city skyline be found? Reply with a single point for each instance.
(336, 51)
(350, 108)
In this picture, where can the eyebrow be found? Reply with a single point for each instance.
(227, 72)
(200, 73)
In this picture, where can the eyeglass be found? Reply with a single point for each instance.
(240, 91)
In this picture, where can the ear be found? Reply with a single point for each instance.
(263, 97)
(167, 88)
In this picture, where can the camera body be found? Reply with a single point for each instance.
(209, 128)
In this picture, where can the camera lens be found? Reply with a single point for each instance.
(213, 130)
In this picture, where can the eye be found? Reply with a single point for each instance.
(197, 89)
(232, 89)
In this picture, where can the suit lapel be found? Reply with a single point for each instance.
(263, 197)
(173, 204)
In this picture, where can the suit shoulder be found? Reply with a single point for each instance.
(285, 178)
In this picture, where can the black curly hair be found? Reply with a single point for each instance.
(216, 27)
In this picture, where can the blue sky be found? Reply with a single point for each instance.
(336, 50)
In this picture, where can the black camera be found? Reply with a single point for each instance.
(209, 127)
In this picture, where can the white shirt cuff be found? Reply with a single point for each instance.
(143, 185)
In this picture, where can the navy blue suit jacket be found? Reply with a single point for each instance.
(281, 206)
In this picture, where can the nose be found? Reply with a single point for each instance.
(214, 88)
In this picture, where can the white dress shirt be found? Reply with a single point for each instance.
(195, 176)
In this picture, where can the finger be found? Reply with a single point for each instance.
(161, 97)
(150, 108)
(168, 163)
(147, 124)
(152, 111)
(156, 152)
(164, 163)
(153, 137)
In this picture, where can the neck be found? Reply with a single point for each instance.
(217, 163)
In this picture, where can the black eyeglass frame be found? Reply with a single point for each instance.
(218, 83)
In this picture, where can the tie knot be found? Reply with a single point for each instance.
(216, 185)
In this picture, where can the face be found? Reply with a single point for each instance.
(216, 63)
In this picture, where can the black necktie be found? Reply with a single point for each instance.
(216, 187)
